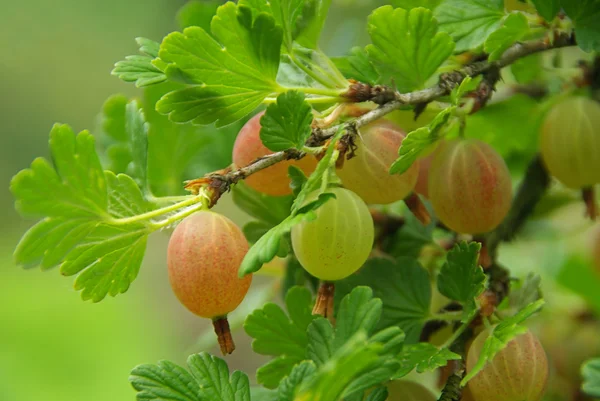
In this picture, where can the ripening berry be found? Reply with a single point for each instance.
(204, 254)
(273, 180)
(339, 240)
(517, 372)
(406, 390)
(469, 186)
(367, 173)
(570, 142)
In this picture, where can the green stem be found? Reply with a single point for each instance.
(169, 199)
(458, 332)
(159, 212)
(178, 216)
(446, 316)
(318, 91)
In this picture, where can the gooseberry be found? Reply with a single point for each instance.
(469, 186)
(422, 185)
(339, 240)
(203, 257)
(517, 372)
(367, 173)
(406, 390)
(570, 142)
(273, 180)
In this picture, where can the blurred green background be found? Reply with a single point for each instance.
(57, 58)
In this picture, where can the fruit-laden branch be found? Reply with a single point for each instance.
(393, 100)
(388, 100)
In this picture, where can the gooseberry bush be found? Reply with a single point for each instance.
(379, 184)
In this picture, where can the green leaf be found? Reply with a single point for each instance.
(420, 141)
(231, 73)
(263, 394)
(529, 292)
(406, 46)
(405, 292)
(410, 238)
(197, 13)
(585, 15)
(357, 66)
(358, 311)
(278, 335)
(467, 85)
(306, 67)
(408, 4)
(547, 8)
(140, 68)
(287, 123)
(576, 274)
(302, 372)
(310, 24)
(423, 357)
(591, 377)
(268, 209)
(461, 278)
(515, 27)
(297, 179)
(379, 394)
(208, 379)
(502, 334)
(354, 359)
(177, 152)
(125, 128)
(469, 22)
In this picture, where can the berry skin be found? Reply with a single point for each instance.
(570, 142)
(422, 185)
(339, 240)
(469, 186)
(273, 180)
(408, 391)
(518, 372)
(203, 257)
(367, 173)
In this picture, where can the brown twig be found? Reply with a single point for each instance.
(389, 100)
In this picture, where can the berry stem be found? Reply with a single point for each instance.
(589, 198)
(417, 207)
(223, 332)
(324, 302)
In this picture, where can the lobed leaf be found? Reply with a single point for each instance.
(406, 46)
(405, 293)
(231, 71)
(141, 69)
(278, 335)
(461, 278)
(423, 357)
(287, 123)
(208, 378)
(514, 28)
(591, 377)
(357, 66)
(469, 22)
